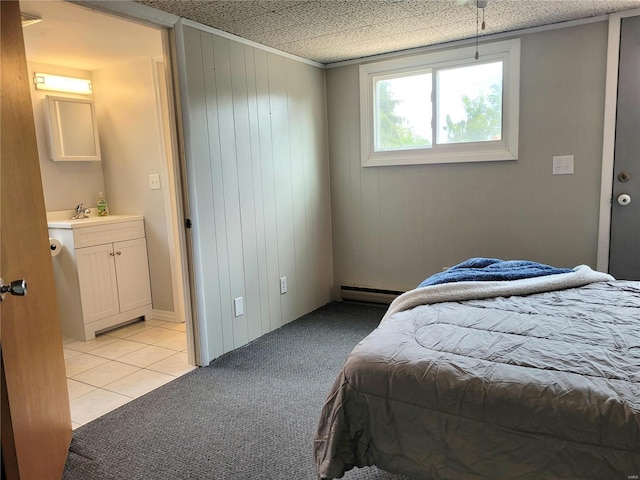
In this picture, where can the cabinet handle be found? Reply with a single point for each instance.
(118, 253)
(111, 254)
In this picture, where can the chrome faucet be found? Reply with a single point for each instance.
(80, 212)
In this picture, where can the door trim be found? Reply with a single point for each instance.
(130, 10)
(174, 203)
(609, 136)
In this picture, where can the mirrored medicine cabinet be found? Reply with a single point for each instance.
(72, 129)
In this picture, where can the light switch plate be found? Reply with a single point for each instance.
(154, 181)
(238, 304)
(563, 165)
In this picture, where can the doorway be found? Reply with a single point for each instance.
(126, 62)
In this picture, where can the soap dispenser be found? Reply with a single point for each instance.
(103, 208)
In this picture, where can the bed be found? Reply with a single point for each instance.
(530, 378)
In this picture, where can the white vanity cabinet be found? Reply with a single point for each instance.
(102, 274)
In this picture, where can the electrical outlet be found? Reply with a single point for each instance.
(238, 304)
(154, 181)
(283, 285)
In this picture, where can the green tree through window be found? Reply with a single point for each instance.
(394, 133)
(483, 122)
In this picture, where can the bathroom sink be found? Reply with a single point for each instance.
(62, 219)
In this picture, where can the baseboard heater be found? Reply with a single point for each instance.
(370, 295)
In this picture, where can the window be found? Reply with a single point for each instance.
(441, 107)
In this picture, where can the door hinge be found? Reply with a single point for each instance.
(187, 223)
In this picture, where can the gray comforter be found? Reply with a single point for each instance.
(542, 386)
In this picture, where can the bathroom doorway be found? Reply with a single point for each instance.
(133, 94)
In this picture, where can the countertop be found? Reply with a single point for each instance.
(62, 219)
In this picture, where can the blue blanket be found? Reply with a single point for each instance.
(492, 269)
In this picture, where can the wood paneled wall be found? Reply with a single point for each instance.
(258, 172)
(394, 226)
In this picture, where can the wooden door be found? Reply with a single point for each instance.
(132, 269)
(624, 250)
(36, 422)
(97, 280)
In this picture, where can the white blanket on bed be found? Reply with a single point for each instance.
(460, 291)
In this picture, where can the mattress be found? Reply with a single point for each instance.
(534, 385)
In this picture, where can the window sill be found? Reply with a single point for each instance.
(412, 157)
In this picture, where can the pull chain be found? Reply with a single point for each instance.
(477, 20)
(484, 25)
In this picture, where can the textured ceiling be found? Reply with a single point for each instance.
(330, 31)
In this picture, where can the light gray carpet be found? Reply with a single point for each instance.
(251, 414)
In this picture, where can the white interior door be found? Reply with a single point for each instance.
(624, 253)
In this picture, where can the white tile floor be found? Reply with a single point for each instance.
(122, 364)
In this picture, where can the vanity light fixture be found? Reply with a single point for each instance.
(57, 83)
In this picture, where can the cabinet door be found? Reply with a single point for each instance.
(132, 267)
(97, 277)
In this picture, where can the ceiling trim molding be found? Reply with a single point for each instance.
(250, 43)
(467, 41)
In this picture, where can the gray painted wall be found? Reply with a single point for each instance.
(394, 226)
(258, 173)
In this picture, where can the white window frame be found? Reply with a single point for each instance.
(505, 149)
